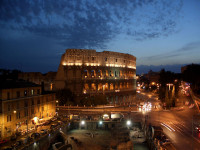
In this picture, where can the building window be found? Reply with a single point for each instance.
(115, 60)
(25, 103)
(93, 87)
(116, 86)
(32, 92)
(51, 86)
(18, 115)
(8, 107)
(42, 108)
(111, 86)
(78, 57)
(111, 73)
(115, 73)
(8, 95)
(100, 87)
(93, 58)
(32, 101)
(32, 110)
(25, 92)
(85, 73)
(99, 73)
(47, 99)
(38, 101)
(106, 59)
(18, 94)
(38, 109)
(124, 61)
(8, 118)
(25, 112)
(93, 73)
(106, 73)
(106, 86)
(17, 105)
(38, 91)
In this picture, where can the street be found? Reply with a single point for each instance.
(177, 124)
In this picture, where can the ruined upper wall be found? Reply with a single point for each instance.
(92, 58)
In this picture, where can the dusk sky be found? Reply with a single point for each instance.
(34, 34)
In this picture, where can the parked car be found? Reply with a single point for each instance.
(7, 148)
(35, 135)
(47, 122)
(3, 141)
(24, 140)
(57, 145)
(43, 131)
(53, 119)
(17, 144)
(13, 137)
(53, 126)
(197, 128)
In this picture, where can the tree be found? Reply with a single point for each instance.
(191, 75)
(165, 95)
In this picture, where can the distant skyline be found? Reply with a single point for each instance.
(34, 34)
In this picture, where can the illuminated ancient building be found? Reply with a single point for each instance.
(91, 73)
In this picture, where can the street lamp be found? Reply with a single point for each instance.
(169, 84)
(128, 123)
(100, 122)
(82, 122)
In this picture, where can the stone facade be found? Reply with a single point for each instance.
(46, 80)
(21, 103)
(90, 73)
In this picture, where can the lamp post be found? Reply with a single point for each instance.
(169, 85)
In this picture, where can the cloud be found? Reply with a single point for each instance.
(193, 46)
(89, 24)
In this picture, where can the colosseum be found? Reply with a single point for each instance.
(89, 73)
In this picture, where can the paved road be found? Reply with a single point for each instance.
(178, 125)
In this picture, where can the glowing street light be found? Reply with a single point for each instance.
(100, 122)
(128, 123)
(82, 122)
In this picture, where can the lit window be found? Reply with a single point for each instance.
(111, 86)
(25, 92)
(93, 87)
(32, 92)
(106, 86)
(100, 87)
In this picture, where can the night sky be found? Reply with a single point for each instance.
(34, 34)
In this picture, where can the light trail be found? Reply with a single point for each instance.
(167, 126)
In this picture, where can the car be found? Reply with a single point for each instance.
(47, 122)
(53, 126)
(197, 128)
(13, 137)
(53, 119)
(17, 144)
(3, 141)
(35, 135)
(57, 145)
(43, 131)
(7, 148)
(24, 140)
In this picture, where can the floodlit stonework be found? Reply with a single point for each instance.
(91, 73)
